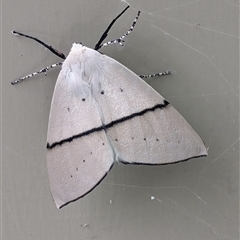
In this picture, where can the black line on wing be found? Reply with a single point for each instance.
(109, 125)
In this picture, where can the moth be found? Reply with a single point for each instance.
(102, 113)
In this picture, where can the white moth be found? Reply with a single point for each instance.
(102, 112)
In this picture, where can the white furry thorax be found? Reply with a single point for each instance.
(83, 70)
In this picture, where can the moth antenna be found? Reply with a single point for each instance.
(49, 47)
(121, 39)
(105, 34)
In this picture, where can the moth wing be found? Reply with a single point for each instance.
(142, 126)
(78, 157)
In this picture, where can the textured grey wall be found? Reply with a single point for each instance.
(198, 199)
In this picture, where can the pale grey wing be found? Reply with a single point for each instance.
(78, 152)
(143, 127)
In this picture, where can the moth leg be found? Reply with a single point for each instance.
(167, 72)
(43, 70)
(121, 39)
(49, 47)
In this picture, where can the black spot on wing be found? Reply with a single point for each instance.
(87, 191)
